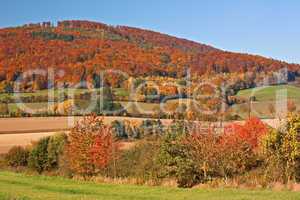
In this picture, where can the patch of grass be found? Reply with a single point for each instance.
(58, 92)
(20, 186)
(13, 107)
(265, 97)
(43, 94)
(121, 92)
(270, 93)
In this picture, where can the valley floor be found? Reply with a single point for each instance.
(20, 186)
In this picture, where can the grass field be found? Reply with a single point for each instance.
(59, 92)
(265, 97)
(19, 186)
(269, 93)
(56, 92)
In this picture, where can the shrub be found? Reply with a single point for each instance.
(151, 128)
(139, 162)
(17, 156)
(236, 157)
(197, 157)
(4, 109)
(203, 147)
(177, 162)
(251, 132)
(282, 152)
(238, 147)
(38, 156)
(55, 150)
(119, 129)
(64, 167)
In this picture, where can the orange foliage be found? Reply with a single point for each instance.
(90, 146)
(82, 48)
(251, 132)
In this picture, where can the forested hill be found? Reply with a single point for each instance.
(83, 48)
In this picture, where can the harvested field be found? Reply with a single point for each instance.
(49, 124)
(9, 140)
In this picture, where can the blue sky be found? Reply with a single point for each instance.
(266, 27)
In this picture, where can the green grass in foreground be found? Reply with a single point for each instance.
(269, 93)
(20, 186)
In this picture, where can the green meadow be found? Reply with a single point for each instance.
(25, 187)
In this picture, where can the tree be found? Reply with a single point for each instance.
(251, 132)
(90, 147)
(282, 151)
(55, 149)
(39, 155)
(176, 161)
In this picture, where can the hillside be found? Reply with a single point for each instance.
(82, 49)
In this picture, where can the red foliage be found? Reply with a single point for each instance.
(104, 148)
(97, 46)
(90, 146)
(251, 132)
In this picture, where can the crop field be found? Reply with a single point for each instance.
(22, 131)
(20, 186)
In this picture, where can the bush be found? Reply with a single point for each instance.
(17, 156)
(119, 129)
(198, 157)
(236, 156)
(176, 161)
(125, 129)
(64, 167)
(55, 150)
(281, 149)
(38, 157)
(139, 162)
(151, 128)
(4, 109)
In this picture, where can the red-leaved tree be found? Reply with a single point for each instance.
(91, 146)
(251, 132)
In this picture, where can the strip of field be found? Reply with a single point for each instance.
(22, 131)
(54, 124)
(49, 124)
(20, 186)
(7, 141)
